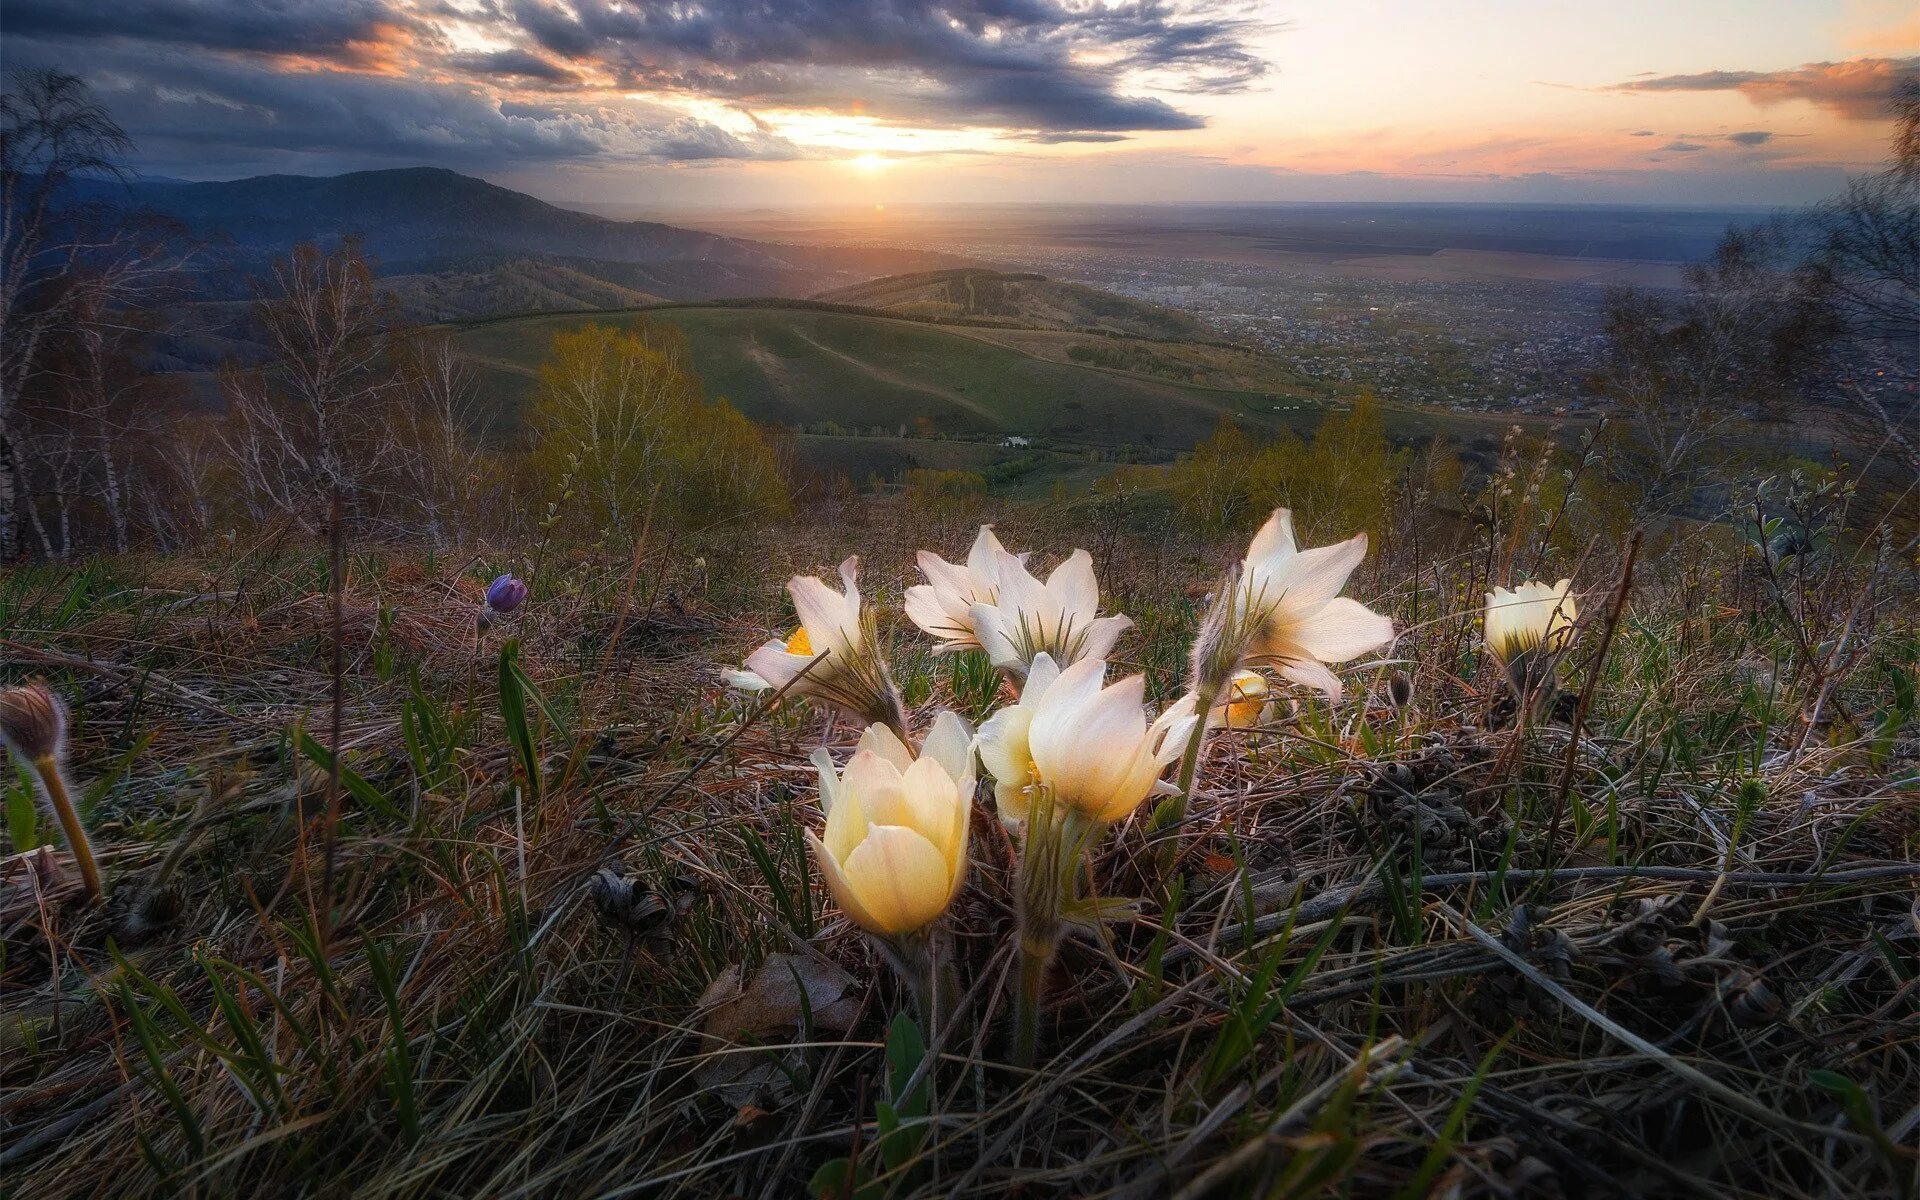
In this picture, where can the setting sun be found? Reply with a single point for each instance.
(869, 163)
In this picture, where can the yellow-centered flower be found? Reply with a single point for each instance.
(894, 851)
(1532, 616)
(831, 657)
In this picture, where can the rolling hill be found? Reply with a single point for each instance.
(1016, 299)
(871, 393)
(522, 285)
(417, 221)
(820, 368)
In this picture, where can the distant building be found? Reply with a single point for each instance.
(1016, 443)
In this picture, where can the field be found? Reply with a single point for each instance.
(794, 366)
(835, 374)
(546, 924)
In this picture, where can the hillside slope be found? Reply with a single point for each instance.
(427, 220)
(818, 369)
(1023, 299)
(521, 285)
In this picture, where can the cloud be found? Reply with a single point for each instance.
(479, 83)
(1644, 133)
(1039, 65)
(514, 63)
(1857, 89)
(191, 114)
(1059, 137)
(326, 28)
(1751, 137)
(1683, 147)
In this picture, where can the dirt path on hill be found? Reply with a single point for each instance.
(905, 382)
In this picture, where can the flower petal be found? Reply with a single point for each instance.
(983, 558)
(935, 803)
(900, 878)
(1313, 577)
(884, 742)
(927, 608)
(847, 821)
(743, 681)
(950, 743)
(1002, 744)
(994, 638)
(822, 760)
(823, 614)
(1073, 588)
(1311, 674)
(1102, 634)
(1274, 543)
(1040, 677)
(772, 663)
(842, 890)
(1344, 629)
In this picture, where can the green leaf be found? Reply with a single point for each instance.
(843, 1179)
(355, 784)
(513, 712)
(902, 1115)
(23, 816)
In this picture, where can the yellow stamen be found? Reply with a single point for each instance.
(799, 643)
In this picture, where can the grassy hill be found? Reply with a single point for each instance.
(522, 285)
(802, 366)
(870, 390)
(1021, 299)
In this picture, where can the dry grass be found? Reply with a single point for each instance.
(1384, 975)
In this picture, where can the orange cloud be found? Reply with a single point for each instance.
(1857, 89)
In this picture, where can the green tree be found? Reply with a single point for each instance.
(620, 415)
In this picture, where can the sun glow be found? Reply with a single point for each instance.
(869, 163)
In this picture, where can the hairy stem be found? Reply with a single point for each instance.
(77, 841)
(1173, 810)
(1048, 863)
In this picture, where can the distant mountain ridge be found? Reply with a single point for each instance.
(416, 221)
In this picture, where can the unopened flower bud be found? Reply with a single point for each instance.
(1400, 690)
(33, 721)
(506, 594)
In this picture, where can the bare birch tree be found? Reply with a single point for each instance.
(71, 268)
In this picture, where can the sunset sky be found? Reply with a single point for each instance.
(791, 102)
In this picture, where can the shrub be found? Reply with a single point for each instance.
(620, 418)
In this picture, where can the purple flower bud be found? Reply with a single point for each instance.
(506, 594)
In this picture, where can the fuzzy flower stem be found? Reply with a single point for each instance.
(894, 716)
(1218, 646)
(48, 769)
(1049, 863)
(1173, 810)
(915, 960)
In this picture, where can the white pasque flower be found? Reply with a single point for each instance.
(1057, 618)
(1247, 702)
(1292, 597)
(894, 851)
(943, 606)
(1529, 617)
(1002, 742)
(1090, 746)
(836, 640)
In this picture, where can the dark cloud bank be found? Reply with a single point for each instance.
(332, 83)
